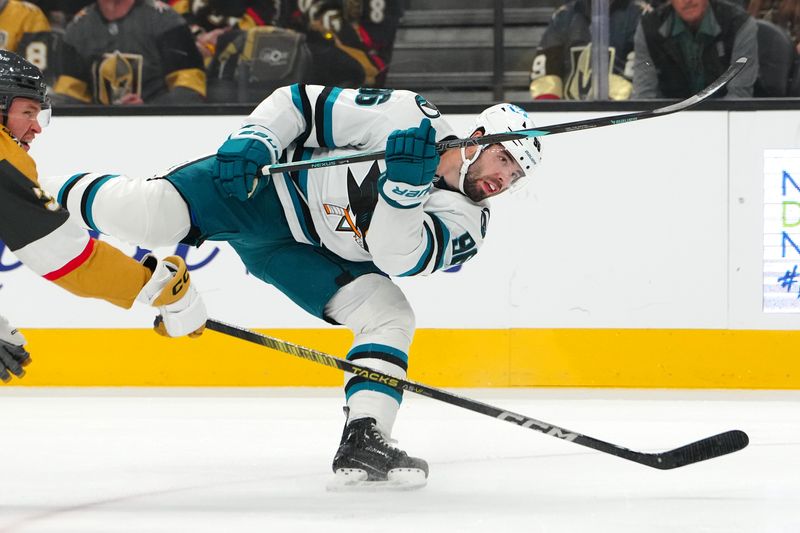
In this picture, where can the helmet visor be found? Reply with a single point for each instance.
(30, 111)
(511, 168)
(45, 115)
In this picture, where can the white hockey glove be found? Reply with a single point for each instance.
(12, 354)
(181, 310)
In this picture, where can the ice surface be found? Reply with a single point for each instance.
(258, 460)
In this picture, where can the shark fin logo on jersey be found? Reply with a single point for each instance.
(427, 108)
(484, 221)
(363, 197)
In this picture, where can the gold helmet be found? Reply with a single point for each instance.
(117, 76)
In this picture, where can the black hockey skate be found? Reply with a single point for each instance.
(366, 461)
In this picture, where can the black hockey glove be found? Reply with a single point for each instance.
(13, 355)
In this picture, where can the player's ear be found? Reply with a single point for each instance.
(477, 133)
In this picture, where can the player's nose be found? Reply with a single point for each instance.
(505, 179)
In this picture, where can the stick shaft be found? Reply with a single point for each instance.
(734, 69)
(708, 448)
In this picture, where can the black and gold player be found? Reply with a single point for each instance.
(39, 232)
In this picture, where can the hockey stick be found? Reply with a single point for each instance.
(708, 448)
(735, 68)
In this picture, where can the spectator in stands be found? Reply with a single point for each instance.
(18, 18)
(351, 41)
(683, 46)
(130, 52)
(783, 13)
(210, 19)
(60, 12)
(562, 66)
(24, 29)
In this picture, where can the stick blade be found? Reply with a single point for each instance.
(702, 450)
(733, 70)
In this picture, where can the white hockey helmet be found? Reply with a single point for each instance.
(503, 118)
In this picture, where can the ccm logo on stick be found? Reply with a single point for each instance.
(528, 422)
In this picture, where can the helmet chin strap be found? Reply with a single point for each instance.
(465, 164)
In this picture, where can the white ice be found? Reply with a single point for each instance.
(258, 460)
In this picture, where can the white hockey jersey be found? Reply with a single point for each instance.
(349, 209)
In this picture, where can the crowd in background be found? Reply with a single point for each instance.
(194, 51)
(672, 49)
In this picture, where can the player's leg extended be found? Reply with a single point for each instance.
(149, 213)
(382, 321)
(358, 296)
(379, 315)
(352, 294)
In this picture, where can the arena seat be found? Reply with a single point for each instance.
(445, 49)
(776, 57)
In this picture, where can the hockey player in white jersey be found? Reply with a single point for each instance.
(331, 237)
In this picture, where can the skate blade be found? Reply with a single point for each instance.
(398, 479)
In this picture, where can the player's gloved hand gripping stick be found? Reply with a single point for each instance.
(411, 155)
(411, 161)
(237, 168)
(170, 290)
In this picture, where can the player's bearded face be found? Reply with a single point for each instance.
(493, 172)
